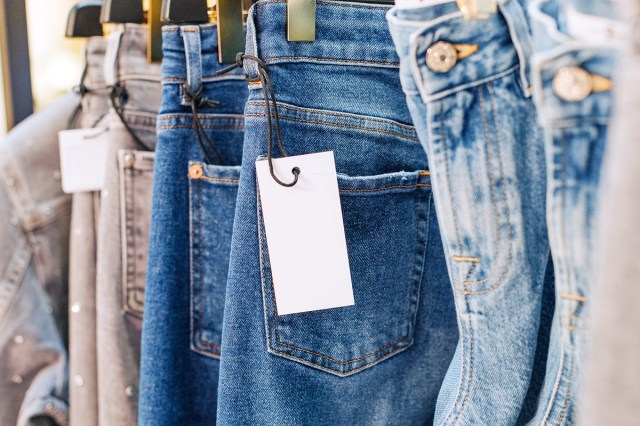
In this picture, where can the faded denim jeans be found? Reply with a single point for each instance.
(469, 94)
(83, 396)
(34, 241)
(123, 229)
(572, 79)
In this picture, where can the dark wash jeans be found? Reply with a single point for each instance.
(382, 360)
(193, 206)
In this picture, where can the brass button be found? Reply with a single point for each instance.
(195, 171)
(441, 57)
(572, 83)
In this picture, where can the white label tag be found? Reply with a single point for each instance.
(305, 234)
(596, 29)
(83, 159)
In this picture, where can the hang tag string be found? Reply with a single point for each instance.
(198, 100)
(269, 98)
(119, 97)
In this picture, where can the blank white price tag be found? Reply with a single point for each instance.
(305, 234)
(83, 159)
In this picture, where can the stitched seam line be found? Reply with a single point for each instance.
(500, 143)
(573, 297)
(217, 179)
(341, 373)
(346, 61)
(335, 114)
(284, 117)
(344, 362)
(465, 259)
(387, 187)
(186, 126)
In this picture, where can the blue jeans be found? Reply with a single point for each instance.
(468, 91)
(192, 215)
(575, 118)
(382, 360)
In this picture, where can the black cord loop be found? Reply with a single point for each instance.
(198, 100)
(270, 99)
(119, 97)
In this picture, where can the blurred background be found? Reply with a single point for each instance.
(55, 61)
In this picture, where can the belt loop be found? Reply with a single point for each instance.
(110, 67)
(251, 68)
(193, 56)
(520, 32)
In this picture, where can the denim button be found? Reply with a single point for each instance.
(195, 171)
(572, 83)
(441, 57)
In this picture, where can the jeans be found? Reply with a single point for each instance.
(382, 360)
(575, 117)
(123, 229)
(468, 91)
(34, 238)
(83, 396)
(193, 205)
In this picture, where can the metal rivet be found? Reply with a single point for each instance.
(128, 160)
(195, 171)
(16, 379)
(129, 391)
(78, 380)
(75, 308)
(572, 83)
(441, 57)
(18, 339)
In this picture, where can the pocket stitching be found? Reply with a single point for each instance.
(271, 321)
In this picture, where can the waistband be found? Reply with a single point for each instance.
(558, 51)
(495, 46)
(190, 54)
(94, 53)
(347, 34)
(126, 55)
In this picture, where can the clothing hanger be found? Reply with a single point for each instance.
(131, 11)
(122, 11)
(84, 20)
(184, 12)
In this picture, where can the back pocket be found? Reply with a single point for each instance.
(212, 203)
(386, 226)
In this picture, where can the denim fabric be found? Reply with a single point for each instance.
(191, 221)
(123, 230)
(576, 132)
(382, 360)
(610, 394)
(83, 396)
(486, 152)
(34, 238)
